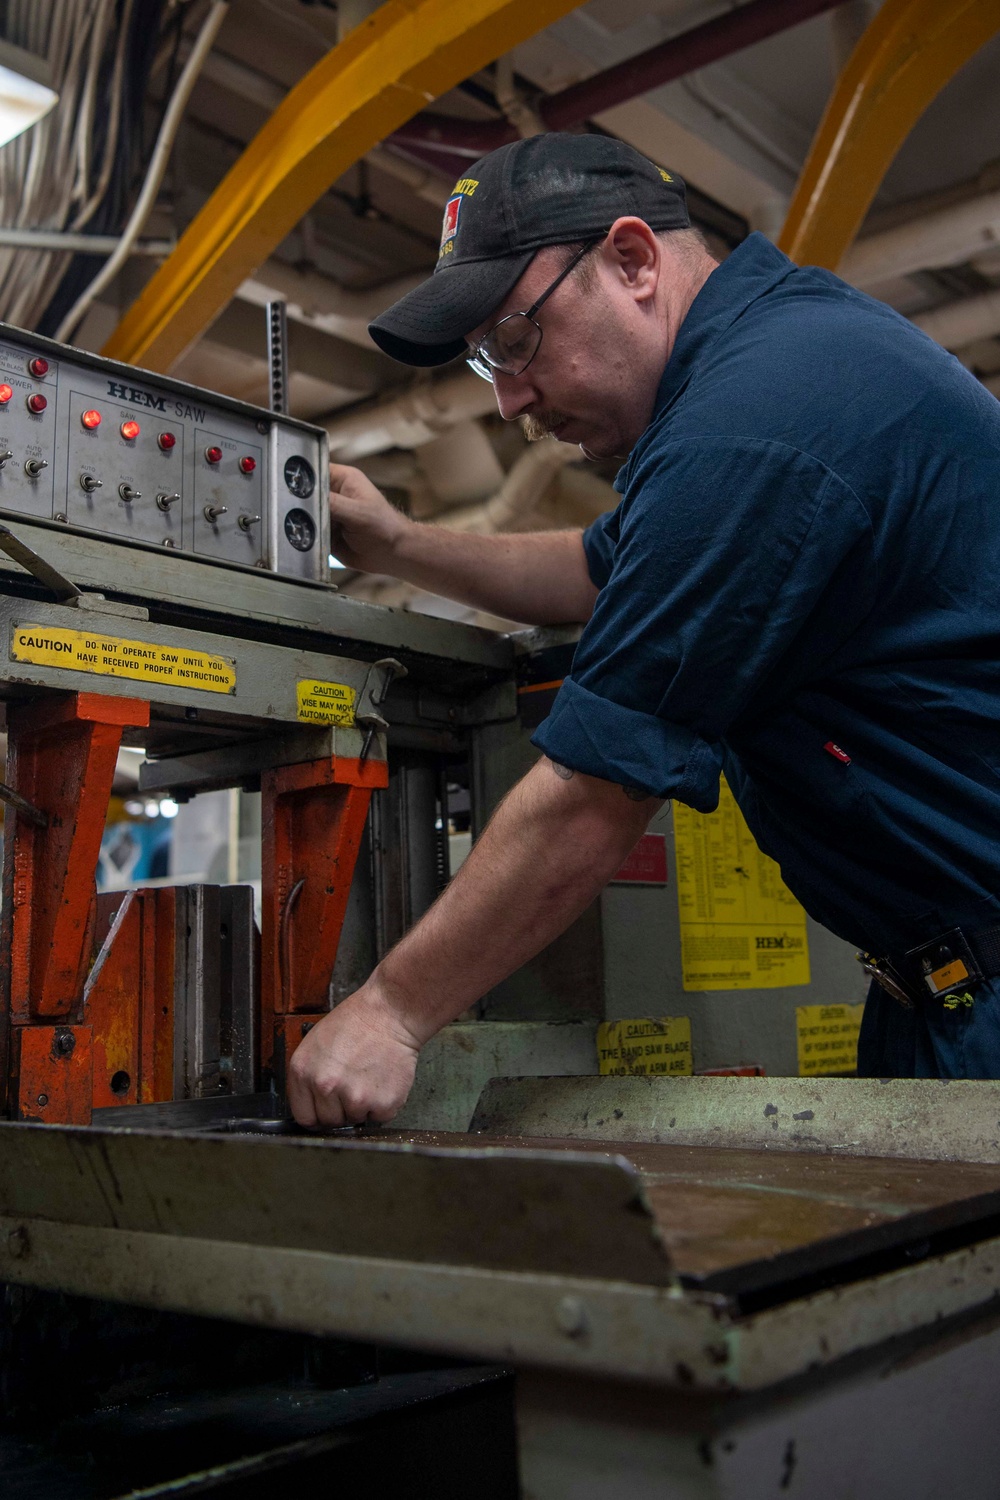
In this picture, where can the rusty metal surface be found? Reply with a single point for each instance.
(540, 1256)
(543, 1211)
(927, 1119)
(740, 1220)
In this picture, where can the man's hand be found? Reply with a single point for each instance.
(550, 847)
(365, 528)
(354, 1065)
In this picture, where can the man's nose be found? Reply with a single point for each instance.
(515, 394)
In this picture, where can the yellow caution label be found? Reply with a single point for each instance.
(645, 1048)
(741, 927)
(111, 656)
(325, 702)
(828, 1038)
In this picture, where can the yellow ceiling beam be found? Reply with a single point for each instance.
(394, 64)
(906, 56)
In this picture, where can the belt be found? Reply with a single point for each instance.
(946, 965)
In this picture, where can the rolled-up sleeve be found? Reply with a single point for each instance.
(710, 570)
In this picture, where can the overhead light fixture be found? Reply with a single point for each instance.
(26, 93)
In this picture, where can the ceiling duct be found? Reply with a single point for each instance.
(709, 43)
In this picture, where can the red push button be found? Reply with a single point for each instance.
(166, 441)
(6, 391)
(37, 404)
(38, 366)
(130, 430)
(91, 419)
(214, 455)
(247, 465)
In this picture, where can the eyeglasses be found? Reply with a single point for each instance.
(512, 344)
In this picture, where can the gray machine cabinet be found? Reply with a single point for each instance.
(622, 958)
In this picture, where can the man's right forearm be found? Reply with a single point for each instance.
(539, 578)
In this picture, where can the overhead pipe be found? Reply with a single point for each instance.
(947, 237)
(694, 49)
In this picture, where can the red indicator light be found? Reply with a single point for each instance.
(247, 465)
(166, 441)
(91, 419)
(130, 430)
(214, 455)
(6, 391)
(37, 404)
(38, 366)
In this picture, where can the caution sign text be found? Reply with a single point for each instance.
(828, 1038)
(110, 656)
(325, 702)
(645, 1048)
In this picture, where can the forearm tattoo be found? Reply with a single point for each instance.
(566, 773)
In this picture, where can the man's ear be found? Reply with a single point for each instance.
(635, 256)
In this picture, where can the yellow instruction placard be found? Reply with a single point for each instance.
(645, 1047)
(111, 656)
(741, 927)
(325, 702)
(828, 1038)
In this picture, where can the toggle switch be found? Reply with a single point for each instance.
(4, 457)
(89, 484)
(34, 467)
(245, 522)
(212, 513)
(128, 494)
(165, 501)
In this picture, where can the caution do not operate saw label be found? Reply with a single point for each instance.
(645, 1048)
(110, 656)
(325, 702)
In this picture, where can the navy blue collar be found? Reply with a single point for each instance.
(752, 270)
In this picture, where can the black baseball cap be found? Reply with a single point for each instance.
(554, 189)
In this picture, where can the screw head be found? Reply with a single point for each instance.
(571, 1317)
(64, 1043)
(18, 1243)
(42, 1100)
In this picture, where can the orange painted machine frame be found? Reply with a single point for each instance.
(61, 755)
(78, 1034)
(312, 820)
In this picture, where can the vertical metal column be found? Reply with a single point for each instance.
(277, 356)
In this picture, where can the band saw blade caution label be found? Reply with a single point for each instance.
(325, 702)
(111, 656)
(741, 927)
(645, 1048)
(828, 1038)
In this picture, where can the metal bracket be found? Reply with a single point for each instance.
(64, 590)
(381, 675)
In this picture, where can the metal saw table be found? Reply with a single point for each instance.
(708, 1287)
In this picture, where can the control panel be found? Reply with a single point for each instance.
(101, 447)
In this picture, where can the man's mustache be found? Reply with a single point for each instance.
(541, 425)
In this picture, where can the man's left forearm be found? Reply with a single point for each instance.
(550, 848)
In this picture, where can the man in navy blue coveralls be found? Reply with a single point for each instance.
(800, 589)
